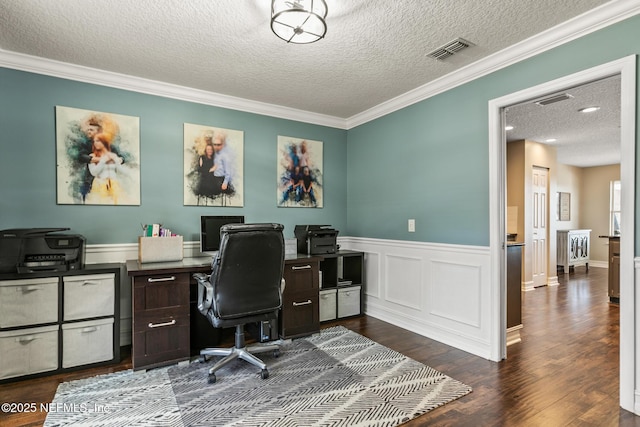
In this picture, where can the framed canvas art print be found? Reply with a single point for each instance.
(97, 157)
(213, 166)
(299, 173)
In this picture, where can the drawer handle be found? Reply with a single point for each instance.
(25, 339)
(161, 279)
(90, 282)
(31, 288)
(159, 325)
(301, 267)
(297, 304)
(89, 329)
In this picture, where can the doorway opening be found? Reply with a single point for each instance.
(626, 68)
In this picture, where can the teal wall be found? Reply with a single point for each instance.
(28, 162)
(430, 161)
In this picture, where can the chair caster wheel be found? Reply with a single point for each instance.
(264, 374)
(276, 353)
(212, 378)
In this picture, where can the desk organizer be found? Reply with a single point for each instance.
(160, 249)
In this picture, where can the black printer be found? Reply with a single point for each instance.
(30, 250)
(316, 239)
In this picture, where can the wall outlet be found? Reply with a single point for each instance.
(412, 225)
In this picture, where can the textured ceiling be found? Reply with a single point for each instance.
(374, 50)
(582, 139)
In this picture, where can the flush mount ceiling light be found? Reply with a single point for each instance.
(589, 109)
(508, 127)
(299, 21)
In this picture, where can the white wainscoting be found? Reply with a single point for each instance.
(440, 291)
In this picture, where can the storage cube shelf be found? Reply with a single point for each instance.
(56, 321)
(342, 280)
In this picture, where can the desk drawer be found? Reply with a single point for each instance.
(161, 296)
(300, 314)
(162, 342)
(301, 275)
(28, 302)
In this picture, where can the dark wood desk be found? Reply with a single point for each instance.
(167, 327)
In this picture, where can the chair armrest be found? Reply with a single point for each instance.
(205, 292)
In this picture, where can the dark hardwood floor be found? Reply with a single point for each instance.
(564, 372)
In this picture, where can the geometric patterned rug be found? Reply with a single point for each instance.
(333, 378)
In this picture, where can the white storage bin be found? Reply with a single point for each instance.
(349, 301)
(28, 351)
(88, 296)
(87, 342)
(160, 249)
(327, 304)
(26, 302)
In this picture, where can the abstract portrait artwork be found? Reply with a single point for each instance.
(98, 157)
(299, 173)
(213, 166)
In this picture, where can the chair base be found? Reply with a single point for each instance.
(239, 351)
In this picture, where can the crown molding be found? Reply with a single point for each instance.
(38, 65)
(596, 19)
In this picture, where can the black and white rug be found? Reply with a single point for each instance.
(334, 378)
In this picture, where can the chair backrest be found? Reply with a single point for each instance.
(247, 271)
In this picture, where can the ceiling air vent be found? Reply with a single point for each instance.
(449, 49)
(553, 99)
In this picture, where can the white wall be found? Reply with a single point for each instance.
(594, 208)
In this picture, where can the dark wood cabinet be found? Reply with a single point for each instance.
(514, 292)
(614, 269)
(300, 314)
(161, 319)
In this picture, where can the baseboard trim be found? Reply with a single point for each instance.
(513, 335)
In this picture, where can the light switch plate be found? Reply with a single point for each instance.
(412, 225)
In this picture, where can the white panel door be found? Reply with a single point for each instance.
(539, 241)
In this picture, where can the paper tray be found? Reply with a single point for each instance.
(160, 249)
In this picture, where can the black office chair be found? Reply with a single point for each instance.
(245, 286)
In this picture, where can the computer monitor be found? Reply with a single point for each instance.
(210, 231)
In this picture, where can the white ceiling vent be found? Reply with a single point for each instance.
(553, 99)
(449, 49)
